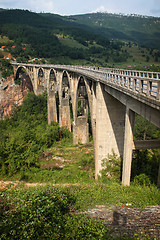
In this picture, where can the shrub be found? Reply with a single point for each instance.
(25, 134)
(44, 214)
(112, 167)
(142, 179)
(65, 133)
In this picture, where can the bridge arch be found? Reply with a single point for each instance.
(53, 97)
(40, 77)
(41, 80)
(53, 84)
(65, 107)
(23, 78)
(82, 121)
(65, 87)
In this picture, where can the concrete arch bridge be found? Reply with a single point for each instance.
(110, 96)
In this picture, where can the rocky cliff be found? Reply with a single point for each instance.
(12, 94)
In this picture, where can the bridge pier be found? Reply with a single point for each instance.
(128, 146)
(110, 119)
(35, 81)
(64, 114)
(51, 105)
(80, 130)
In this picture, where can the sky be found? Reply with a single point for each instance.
(74, 7)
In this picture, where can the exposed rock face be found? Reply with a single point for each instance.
(12, 94)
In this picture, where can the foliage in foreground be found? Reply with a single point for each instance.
(44, 214)
(55, 213)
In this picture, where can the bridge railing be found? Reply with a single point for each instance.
(142, 83)
(144, 86)
(139, 82)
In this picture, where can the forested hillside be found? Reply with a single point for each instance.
(143, 30)
(40, 34)
(93, 39)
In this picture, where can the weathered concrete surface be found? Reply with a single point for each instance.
(110, 122)
(65, 120)
(128, 146)
(80, 130)
(140, 107)
(146, 144)
(51, 107)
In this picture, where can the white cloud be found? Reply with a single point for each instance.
(101, 9)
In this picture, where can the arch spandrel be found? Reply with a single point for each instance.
(88, 87)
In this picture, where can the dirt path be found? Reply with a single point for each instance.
(5, 184)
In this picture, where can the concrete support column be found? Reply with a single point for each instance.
(110, 118)
(93, 112)
(128, 146)
(35, 77)
(64, 114)
(81, 130)
(51, 106)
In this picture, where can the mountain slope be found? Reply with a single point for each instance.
(92, 39)
(144, 30)
(40, 32)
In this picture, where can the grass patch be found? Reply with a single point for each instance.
(63, 163)
(71, 43)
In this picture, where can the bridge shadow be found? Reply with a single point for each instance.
(116, 113)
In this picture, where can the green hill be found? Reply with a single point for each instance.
(142, 29)
(90, 39)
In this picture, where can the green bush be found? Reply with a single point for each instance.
(146, 162)
(142, 180)
(25, 134)
(65, 133)
(112, 167)
(44, 214)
